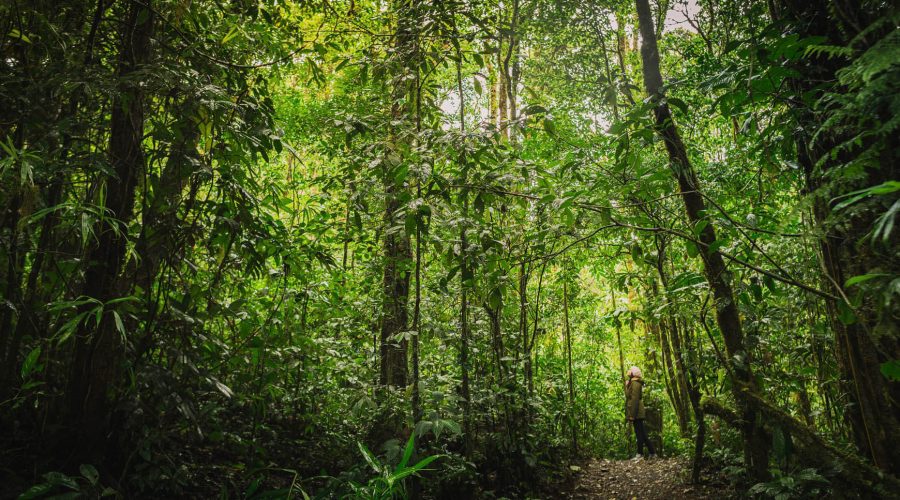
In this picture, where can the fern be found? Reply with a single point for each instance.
(831, 51)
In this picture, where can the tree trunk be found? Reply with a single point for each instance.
(756, 446)
(466, 277)
(669, 374)
(397, 250)
(875, 413)
(501, 94)
(686, 389)
(870, 481)
(529, 352)
(622, 379)
(99, 354)
(160, 237)
(11, 304)
(415, 487)
(569, 364)
(29, 323)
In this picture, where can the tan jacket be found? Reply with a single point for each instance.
(634, 406)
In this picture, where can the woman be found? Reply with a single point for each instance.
(634, 409)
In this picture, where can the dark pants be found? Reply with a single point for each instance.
(641, 434)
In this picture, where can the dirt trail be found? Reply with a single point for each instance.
(657, 478)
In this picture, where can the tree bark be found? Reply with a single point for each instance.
(99, 352)
(874, 415)
(872, 482)
(569, 365)
(397, 251)
(756, 446)
(688, 392)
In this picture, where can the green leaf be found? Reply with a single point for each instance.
(691, 249)
(678, 103)
(407, 451)
(14, 33)
(30, 363)
(415, 468)
(885, 223)
(636, 253)
(891, 370)
(224, 389)
(715, 246)
(881, 189)
(90, 473)
(120, 326)
(36, 491)
(700, 226)
(370, 458)
(550, 127)
(863, 278)
(231, 34)
(845, 313)
(495, 299)
(423, 427)
(341, 65)
(60, 479)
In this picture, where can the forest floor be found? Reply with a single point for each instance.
(649, 479)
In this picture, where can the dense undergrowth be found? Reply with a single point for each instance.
(260, 249)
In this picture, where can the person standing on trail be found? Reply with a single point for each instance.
(634, 410)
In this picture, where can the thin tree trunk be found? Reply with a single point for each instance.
(99, 354)
(618, 325)
(162, 238)
(529, 351)
(571, 376)
(397, 249)
(415, 487)
(501, 94)
(684, 387)
(465, 275)
(622, 380)
(669, 374)
(727, 316)
(674, 390)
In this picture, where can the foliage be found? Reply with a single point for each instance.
(806, 483)
(478, 186)
(389, 481)
(59, 485)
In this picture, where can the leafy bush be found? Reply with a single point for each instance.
(60, 486)
(806, 483)
(389, 481)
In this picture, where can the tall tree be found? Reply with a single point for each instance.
(756, 445)
(835, 169)
(397, 250)
(98, 366)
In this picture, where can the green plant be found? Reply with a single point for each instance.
(389, 481)
(806, 483)
(60, 486)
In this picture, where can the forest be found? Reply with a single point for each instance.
(271, 249)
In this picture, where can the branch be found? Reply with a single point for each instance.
(703, 246)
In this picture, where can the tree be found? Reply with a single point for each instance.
(727, 316)
(100, 353)
(397, 249)
(849, 247)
